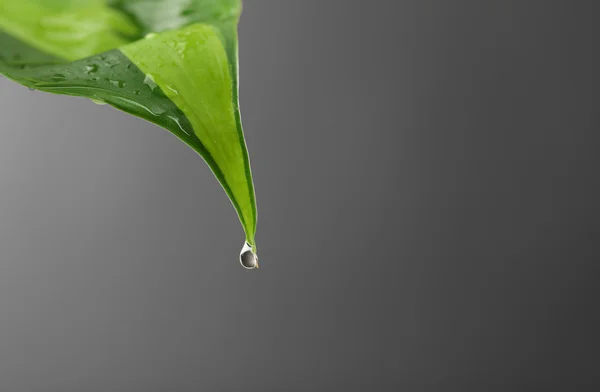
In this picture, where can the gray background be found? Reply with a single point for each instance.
(427, 182)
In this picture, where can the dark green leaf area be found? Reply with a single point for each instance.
(113, 79)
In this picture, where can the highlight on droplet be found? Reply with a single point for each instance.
(248, 259)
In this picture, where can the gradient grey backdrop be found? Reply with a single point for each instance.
(427, 182)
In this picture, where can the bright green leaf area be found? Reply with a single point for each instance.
(159, 15)
(204, 94)
(68, 29)
(171, 62)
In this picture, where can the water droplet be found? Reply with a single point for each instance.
(150, 35)
(117, 83)
(59, 78)
(111, 63)
(172, 89)
(248, 259)
(98, 101)
(136, 92)
(92, 68)
(149, 81)
(133, 103)
(176, 121)
(31, 88)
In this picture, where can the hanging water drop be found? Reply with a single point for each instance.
(248, 258)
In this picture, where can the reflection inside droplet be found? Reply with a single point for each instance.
(247, 257)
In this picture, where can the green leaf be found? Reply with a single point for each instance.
(171, 62)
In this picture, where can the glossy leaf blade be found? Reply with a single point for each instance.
(205, 96)
(182, 76)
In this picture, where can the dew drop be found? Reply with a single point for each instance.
(149, 35)
(247, 257)
(172, 89)
(92, 68)
(111, 63)
(149, 81)
(59, 78)
(98, 101)
(117, 83)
